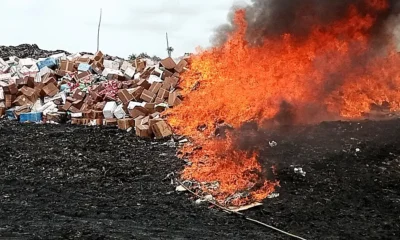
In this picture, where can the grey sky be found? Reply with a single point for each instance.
(128, 26)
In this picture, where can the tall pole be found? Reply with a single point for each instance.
(168, 49)
(98, 31)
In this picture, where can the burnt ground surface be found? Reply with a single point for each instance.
(70, 182)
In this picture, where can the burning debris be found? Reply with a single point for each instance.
(322, 61)
(89, 90)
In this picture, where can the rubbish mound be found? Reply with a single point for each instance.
(88, 89)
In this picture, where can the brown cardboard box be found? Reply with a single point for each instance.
(67, 66)
(50, 89)
(100, 106)
(2, 111)
(22, 109)
(74, 109)
(96, 96)
(136, 92)
(22, 100)
(78, 104)
(125, 96)
(26, 81)
(155, 87)
(75, 121)
(148, 96)
(168, 63)
(154, 121)
(11, 89)
(144, 84)
(49, 79)
(180, 66)
(85, 121)
(29, 93)
(173, 99)
(145, 121)
(60, 73)
(78, 94)
(95, 114)
(39, 89)
(126, 123)
(9, 99)
(111, 122)
(166, 74)
(83, 76)
(150, 107)
(158, 100)
(163, 93)
(161, 130)
(143, 131)
(98, 57)
(97, 67)
(139, 65)
(138, 120)
(138, 111)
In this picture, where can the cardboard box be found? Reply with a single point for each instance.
(138, 120)
(50, 89)
(78, 94)
(173, 99)
(144, 84)
(166, 74)
(9, 99)
(154, 121)
(143, 131)
(158, 100)
(99, 56)
(155, 87)
(148, 96)
(126, 123)
(130, 72)
(2, 111)
(180, 67)
(29, 93)
(75, 121)
(125, 96)
(95, 114)
(119, 112)
(168, 63)
(11, 89)
(22, 109)
(22, 101)
(110, 122)
(161, 130)
(100, 106)
(109, 110)
(137, 112)
(66, 66)
(136, 92)
(163, 93)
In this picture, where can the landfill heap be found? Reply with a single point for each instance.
(91, 90)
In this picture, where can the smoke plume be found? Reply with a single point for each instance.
(272, 18)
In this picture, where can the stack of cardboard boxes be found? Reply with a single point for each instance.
(89, 90)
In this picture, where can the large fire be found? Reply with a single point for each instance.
(333, 68)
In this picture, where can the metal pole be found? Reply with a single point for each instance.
(98, 31)
(168, 50)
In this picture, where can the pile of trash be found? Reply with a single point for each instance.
(91, 90)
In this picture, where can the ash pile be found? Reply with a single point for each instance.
(90, 89)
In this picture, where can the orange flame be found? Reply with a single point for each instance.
(239, 82)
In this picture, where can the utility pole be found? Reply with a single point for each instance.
(98, 31)
(169, 49)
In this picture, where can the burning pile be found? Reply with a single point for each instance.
(91, 90)
(283, 62)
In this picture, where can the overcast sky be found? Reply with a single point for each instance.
(128, 26)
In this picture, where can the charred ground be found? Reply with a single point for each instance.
(68, 182)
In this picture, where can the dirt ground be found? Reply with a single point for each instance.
(70, 182)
